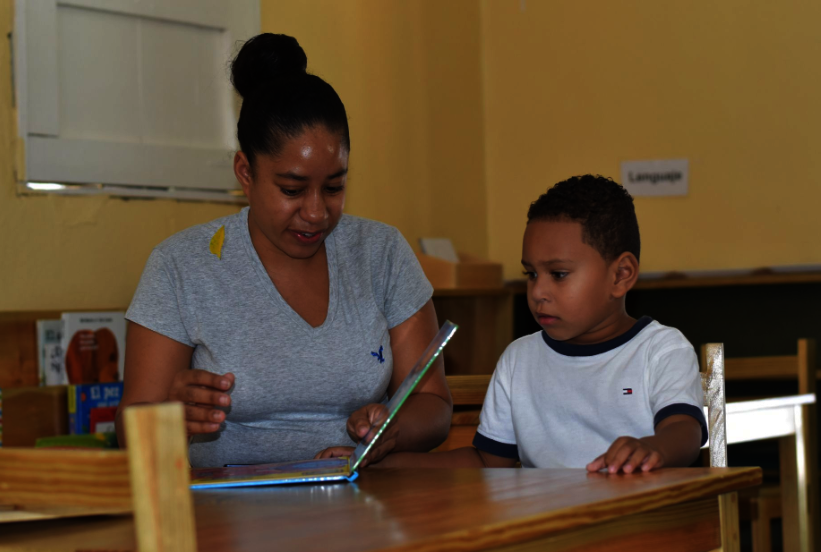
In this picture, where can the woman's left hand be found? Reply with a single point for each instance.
(359, 424)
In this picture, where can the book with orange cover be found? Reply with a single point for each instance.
(94, 346)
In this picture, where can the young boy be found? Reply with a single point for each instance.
(596, 388)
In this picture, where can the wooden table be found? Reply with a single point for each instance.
(427, 510)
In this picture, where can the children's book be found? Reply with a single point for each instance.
(94, 346)
(327, 469)
(84, 400)
(50, 352)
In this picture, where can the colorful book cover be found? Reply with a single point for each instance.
(306, 471)
(94, 346)
(83, 398)
(50, 352)
(101, 419)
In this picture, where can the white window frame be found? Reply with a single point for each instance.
(81, 166)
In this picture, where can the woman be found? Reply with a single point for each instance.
(283, 327)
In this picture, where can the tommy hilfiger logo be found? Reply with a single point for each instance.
(379, 355)
(627, 391)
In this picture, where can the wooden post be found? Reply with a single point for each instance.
(807, 383)
(158, 462)
(728, 512)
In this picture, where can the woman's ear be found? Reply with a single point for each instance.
(626, 268)
(242, 170)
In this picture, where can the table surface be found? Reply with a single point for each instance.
(429, 509)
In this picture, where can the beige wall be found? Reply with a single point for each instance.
(409, 74)
(575, 87)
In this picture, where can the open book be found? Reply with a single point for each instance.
(327, 469)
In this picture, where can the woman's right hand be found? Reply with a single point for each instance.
(203, 394)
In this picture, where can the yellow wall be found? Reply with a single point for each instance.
(463, 111)
(409, 74)
(575, 87)
(74, 252)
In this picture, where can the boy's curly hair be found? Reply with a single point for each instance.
(603, 207)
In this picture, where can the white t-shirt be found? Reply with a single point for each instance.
(556, 405)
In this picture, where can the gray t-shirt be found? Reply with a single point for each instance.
(295, 385)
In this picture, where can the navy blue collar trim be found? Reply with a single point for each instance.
(569, 349)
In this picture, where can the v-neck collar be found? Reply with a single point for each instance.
(273, 292)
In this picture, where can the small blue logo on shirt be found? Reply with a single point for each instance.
(379, 355)
(627, 391)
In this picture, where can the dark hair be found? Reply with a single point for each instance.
(280, 99)
(603, 207)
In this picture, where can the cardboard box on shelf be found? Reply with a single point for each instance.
(470, 272)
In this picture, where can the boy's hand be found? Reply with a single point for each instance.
(629, 454)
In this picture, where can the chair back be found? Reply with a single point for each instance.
(712, 383)
(800, 366)
(468, 394)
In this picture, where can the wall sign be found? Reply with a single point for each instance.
(660, 177)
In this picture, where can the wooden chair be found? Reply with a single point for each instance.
(712, 383)
(765, 504)
(150, 479)
(468, 394)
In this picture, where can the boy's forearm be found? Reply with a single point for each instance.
(467, 457)
(679, 443)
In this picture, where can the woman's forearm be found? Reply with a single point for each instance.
(423, 423)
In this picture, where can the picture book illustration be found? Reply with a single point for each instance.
(328, 469)
(94, 346)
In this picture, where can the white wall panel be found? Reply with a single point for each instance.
(98, 76)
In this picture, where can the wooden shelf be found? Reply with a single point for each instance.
(678, 280)
(470, 292)
(752, 279)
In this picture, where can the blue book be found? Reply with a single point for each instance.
(82, 398)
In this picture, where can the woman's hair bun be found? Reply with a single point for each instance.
(265, 58)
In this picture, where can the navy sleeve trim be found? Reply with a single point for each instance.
(486, 444)
(687, 410)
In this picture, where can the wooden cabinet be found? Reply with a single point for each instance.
(485, 319)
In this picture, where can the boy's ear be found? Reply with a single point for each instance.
(626, 269)
(242, 170)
